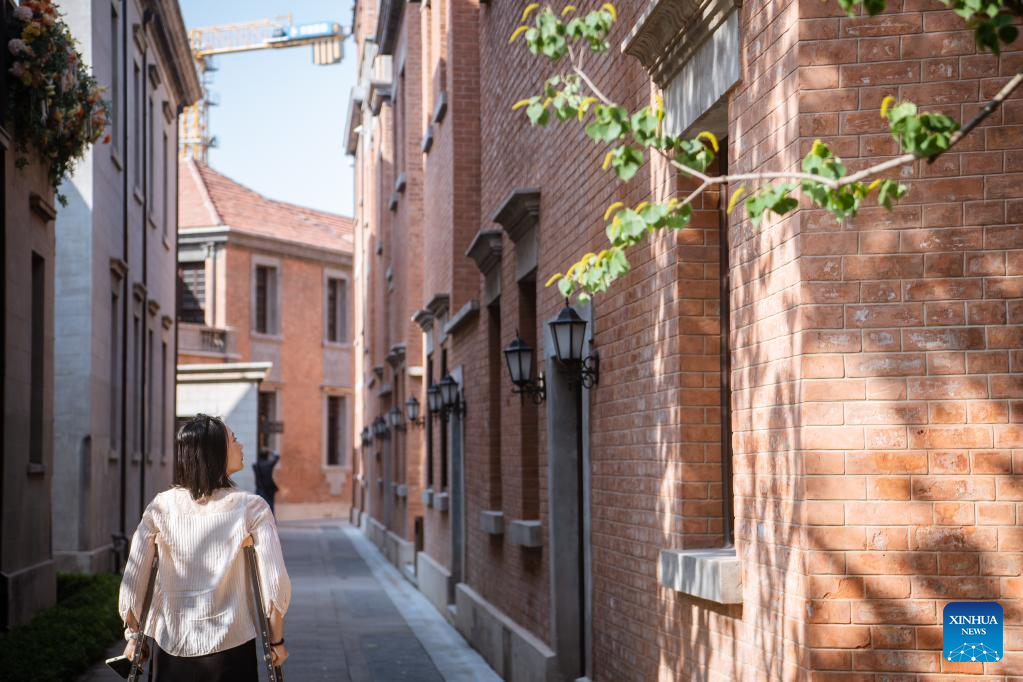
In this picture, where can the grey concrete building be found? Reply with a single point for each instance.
(115, 284)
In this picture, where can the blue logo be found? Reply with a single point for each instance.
(972, 632)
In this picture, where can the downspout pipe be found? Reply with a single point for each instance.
(147, 16)
(121, 538)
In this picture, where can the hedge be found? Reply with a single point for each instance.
(62, 642)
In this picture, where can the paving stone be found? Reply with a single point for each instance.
(343, 624)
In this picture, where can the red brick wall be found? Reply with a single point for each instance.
(301, 356)
(451, 171)
(875, 386)
(911, 362)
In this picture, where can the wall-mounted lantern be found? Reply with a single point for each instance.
(412, 412)
(379, 427)
(519, 357)
(433, 399)
(367, 436)
(451, 395)
(394, 419)
(569, 332)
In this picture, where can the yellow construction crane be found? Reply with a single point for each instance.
(326, 38)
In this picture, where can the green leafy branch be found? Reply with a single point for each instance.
(823, 178)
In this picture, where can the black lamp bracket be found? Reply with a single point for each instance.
(588, 371)
(536, 390)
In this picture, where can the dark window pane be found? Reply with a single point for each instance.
(192, 292)
(335, 428)
(267, 415)
(38, 358)
(261, 299)
(332, 309)
(342, 310)
(115, 370)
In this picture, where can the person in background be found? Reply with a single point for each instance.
(200, 614)
(265, 468)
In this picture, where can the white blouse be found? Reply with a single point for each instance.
(202, 595)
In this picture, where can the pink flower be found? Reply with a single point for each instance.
(17, 46)
(23, 13)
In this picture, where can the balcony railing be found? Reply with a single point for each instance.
(198, 338)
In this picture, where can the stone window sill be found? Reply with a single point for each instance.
(711, 574)
(525, 533)
(440, 501)
(428, 497)
(401, 491)
(492, 522)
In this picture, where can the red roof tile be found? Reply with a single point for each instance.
(208, 199)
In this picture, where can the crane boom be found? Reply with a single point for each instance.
(325, 37)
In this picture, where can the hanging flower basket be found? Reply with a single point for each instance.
(56, 105)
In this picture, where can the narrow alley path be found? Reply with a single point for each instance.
(353, 618)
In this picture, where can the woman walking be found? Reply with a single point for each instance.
(200, 614)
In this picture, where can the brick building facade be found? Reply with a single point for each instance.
(800, 447)
(264, 305)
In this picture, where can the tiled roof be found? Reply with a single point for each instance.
(208, 199)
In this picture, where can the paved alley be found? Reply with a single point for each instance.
(353, 618)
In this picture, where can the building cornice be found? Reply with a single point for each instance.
(171, 39)
(354, 119)
(118, 268)
(388, 22)
(438, 305)
(396, 355)
(253, 372)
(485, 249)
(423, 319)
(519, 212)
(669, 32)
(226, 234)
(41, 207)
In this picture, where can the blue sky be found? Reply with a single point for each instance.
(281, 118)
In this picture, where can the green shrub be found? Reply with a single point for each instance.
(62, 642)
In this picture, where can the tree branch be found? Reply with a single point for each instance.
(578, 68)
(876, 169)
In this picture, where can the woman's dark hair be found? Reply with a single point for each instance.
(201, 465)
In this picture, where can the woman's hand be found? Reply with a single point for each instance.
(129, 651)
(278, 654)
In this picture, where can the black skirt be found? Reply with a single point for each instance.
(237, 664)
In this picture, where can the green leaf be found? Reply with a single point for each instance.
(924, 134)
(565, 286)
(679, 217)
(631, 227)
(654, 214)
(888, 191)
(537, 113)
(771, 199)
(609, 124)
(644, 126)
(626, 161)
(694, 154)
